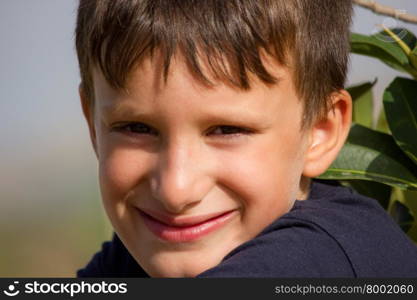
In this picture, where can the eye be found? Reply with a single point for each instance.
(230, 131)
(137, 128)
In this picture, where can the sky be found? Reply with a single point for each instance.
(48, 171)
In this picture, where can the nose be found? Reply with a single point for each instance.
(179, 180)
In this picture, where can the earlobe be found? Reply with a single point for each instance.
(89, 116)
(327, 136)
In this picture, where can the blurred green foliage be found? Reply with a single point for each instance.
(379, 158)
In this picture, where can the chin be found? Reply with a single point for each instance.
(181, 263)
(179, 269)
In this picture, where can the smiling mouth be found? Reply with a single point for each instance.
(186, 230)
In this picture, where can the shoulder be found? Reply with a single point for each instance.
(368, 235)
(334, 233)
(290, 248)
(112, 261)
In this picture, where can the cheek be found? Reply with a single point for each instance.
(120, 170)
(265, 176)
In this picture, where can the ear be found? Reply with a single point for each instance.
(88, 112)
(327, 136)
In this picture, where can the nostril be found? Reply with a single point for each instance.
(178, 185)
(173, 193)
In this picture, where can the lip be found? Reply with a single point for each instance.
(185, 229)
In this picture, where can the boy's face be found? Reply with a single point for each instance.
(188, 173)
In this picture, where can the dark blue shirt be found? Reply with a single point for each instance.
(334, 233)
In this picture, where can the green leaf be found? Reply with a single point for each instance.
(413, 58)
(400, 104)
(382, 124)
(362, 103)
(382, 47)
(409, 198)
(372, 155)
(405, 35)
(356, 91)
(400, 38)
(402, 216)
(373, 46)
(372, 189)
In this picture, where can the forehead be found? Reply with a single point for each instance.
(147, 88)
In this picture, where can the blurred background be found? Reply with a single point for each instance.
(51, 218)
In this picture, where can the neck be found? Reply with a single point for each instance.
(304, 188)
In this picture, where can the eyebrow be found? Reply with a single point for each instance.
(239, 118)
(118, 109)
(126, 111)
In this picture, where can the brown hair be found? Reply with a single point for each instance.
(115, 35)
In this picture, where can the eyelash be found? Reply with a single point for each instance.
(236, 130)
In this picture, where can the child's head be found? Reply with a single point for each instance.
(201, 108)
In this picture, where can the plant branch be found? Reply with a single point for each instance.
(386, 10)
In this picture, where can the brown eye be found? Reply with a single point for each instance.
(229, 130)
(138, 128)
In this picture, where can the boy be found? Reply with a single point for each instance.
(208, 117)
